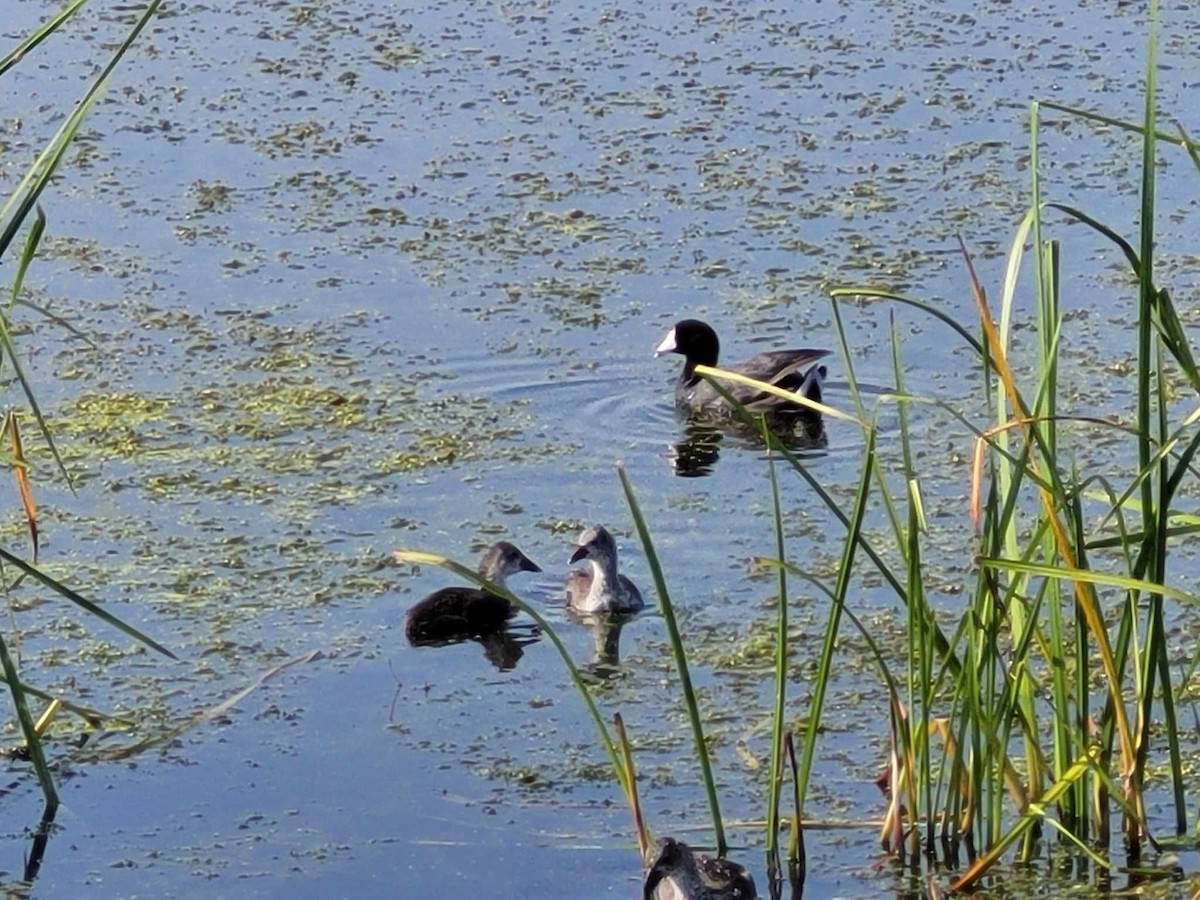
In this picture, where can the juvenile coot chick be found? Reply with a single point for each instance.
(460, 612)
(599, 588)
(677, 872)
(697, 343)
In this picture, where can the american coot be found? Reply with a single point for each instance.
(599, 588)
(460, 612)
(677, 872)
(698, 344)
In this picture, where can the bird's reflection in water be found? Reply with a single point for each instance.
(697, 454)
(809, 433)
(605, 662)
(503, 648)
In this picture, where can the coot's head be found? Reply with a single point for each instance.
(504, 559)
(594, 543)
(692, 339)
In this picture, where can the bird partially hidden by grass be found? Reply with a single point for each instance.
(458, 613)
(790, 370)
(675, 871)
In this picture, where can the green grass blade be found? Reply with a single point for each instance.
(39, 174)
(1126, 248)
(33, 741)
(1136, 128)
(32, 240)
(781, 657)
(1160, 311)
(825, 662)
(1086, 576)
(40, 34)
(850, 292)
(63, 591)
(681, 664)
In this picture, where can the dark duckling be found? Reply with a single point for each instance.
(698, 344)
(461, 612)
(677, 872)
(600, 588)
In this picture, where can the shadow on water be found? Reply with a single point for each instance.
(605, 661)
(37, 847)
(503, 648)
(697, 453)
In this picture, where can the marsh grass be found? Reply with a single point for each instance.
(1041, 710)
(19, 214)
(1039, 698)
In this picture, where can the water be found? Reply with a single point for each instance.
(368, 276)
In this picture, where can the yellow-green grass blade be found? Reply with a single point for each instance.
(1031, 816)
(1088, 576)
(793, 396)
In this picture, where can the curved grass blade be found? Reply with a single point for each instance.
(1159, 306)
(880, 294)
(1136, 128)
(1127, 248)
(32, 240)
(1088, 576)
(793, 396)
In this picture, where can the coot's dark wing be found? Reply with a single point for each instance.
(782, 368)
